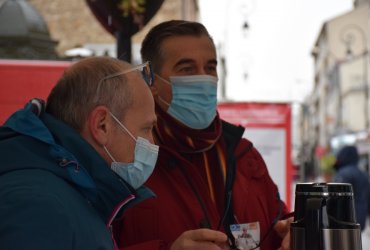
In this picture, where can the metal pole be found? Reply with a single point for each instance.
(123, 46)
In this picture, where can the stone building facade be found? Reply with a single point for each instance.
(72, 24)
(337, 112)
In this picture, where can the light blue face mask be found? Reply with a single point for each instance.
(145, 158)
(194, 100)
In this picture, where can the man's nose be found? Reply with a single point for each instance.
(201, 71)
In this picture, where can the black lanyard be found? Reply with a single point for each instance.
(205, 222)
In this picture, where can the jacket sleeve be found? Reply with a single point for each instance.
(256, 196)
(252, 167)
(32, 221)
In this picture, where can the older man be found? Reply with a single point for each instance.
(68, 172)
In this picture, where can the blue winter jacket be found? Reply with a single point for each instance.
(348, 172)
(56, 192)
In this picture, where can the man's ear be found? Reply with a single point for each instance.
(99, 125)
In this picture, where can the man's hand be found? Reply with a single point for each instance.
(200, 239)
(282, 228)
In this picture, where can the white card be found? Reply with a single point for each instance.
(247, 236)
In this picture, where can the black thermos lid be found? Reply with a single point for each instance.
(336, 199)
(323, 189)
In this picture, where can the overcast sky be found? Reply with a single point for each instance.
(271, 61)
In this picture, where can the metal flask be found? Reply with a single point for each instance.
(324, 218)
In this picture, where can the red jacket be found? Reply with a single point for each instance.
(156, 223)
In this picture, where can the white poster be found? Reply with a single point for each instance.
(271, 143)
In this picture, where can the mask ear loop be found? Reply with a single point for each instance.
(162, 100)
(109, 154)
(167, 82)
(122, 126)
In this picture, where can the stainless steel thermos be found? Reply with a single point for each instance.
(324, 218)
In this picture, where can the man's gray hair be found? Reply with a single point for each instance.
(76, 93)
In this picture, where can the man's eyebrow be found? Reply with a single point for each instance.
(184, 61)
(213, 61)
(188, 60)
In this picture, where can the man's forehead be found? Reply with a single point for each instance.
(191, 48)
(187, 43)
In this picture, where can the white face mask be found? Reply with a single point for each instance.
(145, 157)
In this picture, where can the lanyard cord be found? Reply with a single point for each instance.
(205, 223)
(227, 207)
(227, 212)
(228, 216)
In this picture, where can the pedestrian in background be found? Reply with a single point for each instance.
(347, 171)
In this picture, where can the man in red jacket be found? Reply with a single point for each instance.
(207, 174)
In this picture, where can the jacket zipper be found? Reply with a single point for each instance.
(114, 214)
